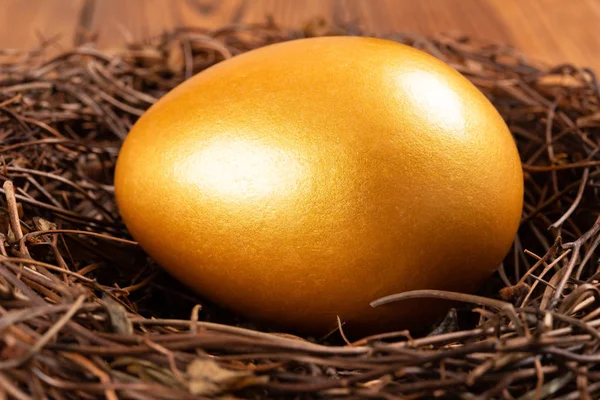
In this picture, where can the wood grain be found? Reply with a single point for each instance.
(26, 23)
(554, 31)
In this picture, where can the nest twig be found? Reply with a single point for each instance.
(85, 314)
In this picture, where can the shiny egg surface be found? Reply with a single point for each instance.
(303, 180)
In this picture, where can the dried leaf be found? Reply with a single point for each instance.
(118, 316)
(11, 235)
(43, 225)
(449, 324)
(147, 371)
(209, 378)
(515, 294)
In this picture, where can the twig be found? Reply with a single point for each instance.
(567, 214)
(508, 308)
(576, 246)
(63, 120)
(13, 213)
(46, 337)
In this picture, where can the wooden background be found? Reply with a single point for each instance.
(553, 31)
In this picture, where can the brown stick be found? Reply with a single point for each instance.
(13, 211)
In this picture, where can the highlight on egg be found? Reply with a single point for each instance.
(300, 181)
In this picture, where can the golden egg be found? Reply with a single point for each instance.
(300, 181)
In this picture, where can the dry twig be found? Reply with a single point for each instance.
(85, 314)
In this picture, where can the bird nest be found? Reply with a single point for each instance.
(84, 313)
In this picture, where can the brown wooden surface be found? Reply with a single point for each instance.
(554, 31)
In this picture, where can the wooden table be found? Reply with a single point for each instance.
(554, 31)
